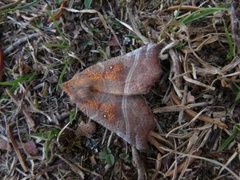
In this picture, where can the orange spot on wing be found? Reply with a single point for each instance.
(91, 103)
(95, 76)
(111, 76)
(92, 74)
(109, 112)
(111, 73)
(117, 67)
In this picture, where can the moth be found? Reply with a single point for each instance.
(111, 93)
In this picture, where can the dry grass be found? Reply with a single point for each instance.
(43, 44)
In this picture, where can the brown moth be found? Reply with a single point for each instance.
(110, 93)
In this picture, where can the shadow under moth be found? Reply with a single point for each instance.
(110, 93)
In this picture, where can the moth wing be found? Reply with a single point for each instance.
(127, 116)
(130, 74)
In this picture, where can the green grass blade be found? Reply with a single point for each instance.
(58, 29)
(25, 78)
(236, 129)
(7, 10)
(230, 43)
(63, 72)
(203, 12)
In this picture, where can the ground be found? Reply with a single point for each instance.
(195, 102)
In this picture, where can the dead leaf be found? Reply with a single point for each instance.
(3, 144)
(30, 148)
(86, 129)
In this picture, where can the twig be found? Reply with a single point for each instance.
(175, 108)
(235, 24)
(1, 63)
(73, 167)
(58, 13)
(23, 107)
(15, 146)
(193, 113)
(216, 163)
(154, 142)
(183, 165)
(139, 164)
(157, 166)
(189, 8)
(135, 29)
(198, 83)
(19, 41)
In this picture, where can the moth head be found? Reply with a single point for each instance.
(78, 88)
